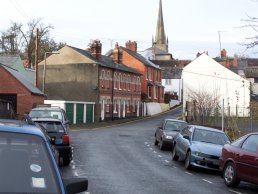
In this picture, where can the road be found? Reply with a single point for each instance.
(122, 159)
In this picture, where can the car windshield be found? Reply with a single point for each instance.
(174, 126)
(25, 165)
(210, 137)
(46, 114)
(52, 126)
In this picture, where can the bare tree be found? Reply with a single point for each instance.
(251, 22)
(24, 41)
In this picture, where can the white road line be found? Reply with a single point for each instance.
(159, 156)
(188, 173)
(151, 148)
(174, 167)
(75, 173)
(207, 181)
(154, 152)
(146, 142)
(235, 191)
(73, 166)
(166, 161)
(147, 145)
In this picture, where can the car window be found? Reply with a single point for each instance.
(25, 165)
(174, 126)
(210, 137)
(238, 142)
(52, 126)
(46, 114)
(251, 143)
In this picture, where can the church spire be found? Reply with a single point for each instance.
(160, 38)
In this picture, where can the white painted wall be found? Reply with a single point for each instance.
(206, 74)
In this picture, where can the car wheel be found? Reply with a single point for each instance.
(156, 142)
(188, 160)
(174, 156)
(161, 145)
(66, 161)
(229, 175)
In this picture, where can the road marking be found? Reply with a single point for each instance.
(188, 173)
(146, 142)
(159, 156)
(73, 166)
(174, 167)
(166, 161)
(207, 181)
(235, 192)
(75, 173)
(151, 148)
(147, 145)
(154, 152)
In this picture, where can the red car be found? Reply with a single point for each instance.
(239, 160)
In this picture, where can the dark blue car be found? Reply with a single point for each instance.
(27, 162)
(199, 146)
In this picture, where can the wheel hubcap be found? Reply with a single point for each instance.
(229, 173)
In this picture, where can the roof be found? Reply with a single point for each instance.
(9, 60)
(140, 58)
(17, 126)
(105, 61)
(176, 120)
(171, 73)
(23, 80)
(251, 72)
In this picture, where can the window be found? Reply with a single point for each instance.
(256, 80)
(251, 143)
(134, 105)
(125, 81)
(103, 78)
(128, 105)
(115, 80)
(108, 79)
(119, 81)
(128, 82)
(154, 92)
(133, 83)
(114, 106)
(139, 84)
(149, 91)
(107, 105)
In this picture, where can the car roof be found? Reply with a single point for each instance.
(206, 128)
(21, 127)
(46, 119)
(175, 120)
(47, 108)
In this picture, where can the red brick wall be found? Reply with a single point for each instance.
(25, 100)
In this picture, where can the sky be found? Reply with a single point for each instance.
(191, 26)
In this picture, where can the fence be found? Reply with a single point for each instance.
(237, 120)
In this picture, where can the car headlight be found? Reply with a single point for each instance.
(169, 137)
(199, 154)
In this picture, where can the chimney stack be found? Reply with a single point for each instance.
(96, 49)
(132, 45)
(117, 54)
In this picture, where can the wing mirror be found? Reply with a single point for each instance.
(186, 137)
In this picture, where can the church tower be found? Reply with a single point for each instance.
(160, 41)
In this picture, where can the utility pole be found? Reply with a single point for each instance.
(36, 56)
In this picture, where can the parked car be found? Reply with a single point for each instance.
(45, 111)
(27, 163)
(199, 146)
(239, 160)
(59, 137)
(166, 132)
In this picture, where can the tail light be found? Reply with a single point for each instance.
(66, 138)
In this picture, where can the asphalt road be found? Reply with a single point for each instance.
(122, 159)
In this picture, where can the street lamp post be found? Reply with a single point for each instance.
(44, 68)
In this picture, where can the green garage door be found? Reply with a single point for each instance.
(69, 111)
(89, 113)
(79, 113)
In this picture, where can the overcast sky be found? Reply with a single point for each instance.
(191, 25)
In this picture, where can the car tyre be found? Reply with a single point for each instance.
(66, 161)
(156, 142)
(229, 175)
(161, 145)
(188, 160)
(174, 155)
